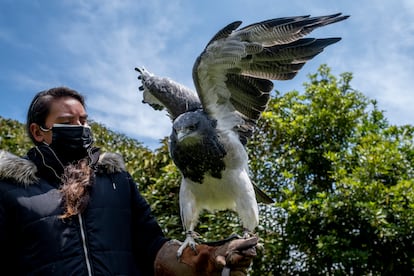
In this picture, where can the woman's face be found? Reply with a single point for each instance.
(65, 110)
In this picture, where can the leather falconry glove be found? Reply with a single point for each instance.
(232, 257)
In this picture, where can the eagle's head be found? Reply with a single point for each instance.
(192, 127)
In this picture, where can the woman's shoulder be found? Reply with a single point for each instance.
(110, 162)
(22, 171)
(17, 169)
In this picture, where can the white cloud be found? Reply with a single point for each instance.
(380, 41)
(108, 46)
(93, 46)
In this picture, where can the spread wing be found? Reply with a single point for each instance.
(233, 75)
(163, 93)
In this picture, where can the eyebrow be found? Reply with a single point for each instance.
(70, 117)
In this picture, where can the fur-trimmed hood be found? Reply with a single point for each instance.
(23, 171)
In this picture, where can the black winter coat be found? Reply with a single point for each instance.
(115, 235)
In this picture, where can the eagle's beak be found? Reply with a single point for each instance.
(181, 134)
(187, 134)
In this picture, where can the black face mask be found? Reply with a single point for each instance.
(71, 142)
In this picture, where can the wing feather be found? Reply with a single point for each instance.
(277, 31)
(249, 95)
(301, 50)
(233, 75)
(225, 32)
(165, 93)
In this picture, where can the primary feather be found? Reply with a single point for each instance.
(233, 80)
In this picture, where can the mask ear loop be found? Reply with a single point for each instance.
(45, 129)
(46, 165)
(48, 146)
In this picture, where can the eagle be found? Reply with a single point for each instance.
(233, 79)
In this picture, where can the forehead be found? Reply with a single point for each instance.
(188, 119)
(66, 107)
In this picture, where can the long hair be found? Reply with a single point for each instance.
(77, 178)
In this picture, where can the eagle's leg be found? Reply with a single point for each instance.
(189, 241)
(247, 233)
(248, 211)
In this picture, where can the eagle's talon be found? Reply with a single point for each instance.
(193, 247)
(190, 242)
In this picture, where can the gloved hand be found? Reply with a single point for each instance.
(231, 258)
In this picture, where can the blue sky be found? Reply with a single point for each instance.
(93, 46)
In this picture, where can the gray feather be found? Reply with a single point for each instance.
(272, 50)
(166, 93)
(261, 196)
(286, 30)
(233, 80)
(249, 95)
(225, 32)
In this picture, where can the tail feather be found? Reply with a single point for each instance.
(261, 196)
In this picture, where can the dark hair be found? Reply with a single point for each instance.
(77, 181)
(40, 107)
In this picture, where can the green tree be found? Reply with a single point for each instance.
(13, 137)
(343, 181)
(341, 175)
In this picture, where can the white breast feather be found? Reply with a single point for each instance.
(234, 191)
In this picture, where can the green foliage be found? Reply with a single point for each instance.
(341, 175)
(138, 159)
(344, 178)
(13, 137)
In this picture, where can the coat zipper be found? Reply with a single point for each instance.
(85, 248)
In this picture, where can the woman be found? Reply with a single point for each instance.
(67, 209)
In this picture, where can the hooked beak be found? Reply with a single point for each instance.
(181, 134)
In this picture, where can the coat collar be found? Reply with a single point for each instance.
(23, 171)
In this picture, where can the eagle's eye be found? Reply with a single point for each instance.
(192, 127)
